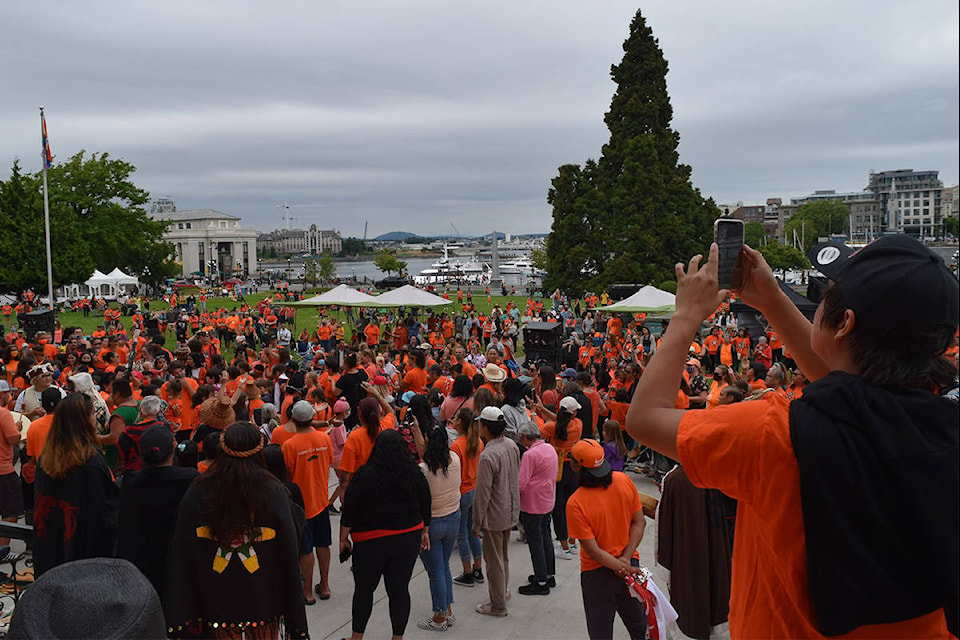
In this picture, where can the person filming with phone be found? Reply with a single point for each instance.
(848, 497)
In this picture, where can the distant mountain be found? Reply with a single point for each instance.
(395, 236)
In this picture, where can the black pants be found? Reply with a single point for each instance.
(537, 528)
(605, 594)
(565, 488)
(392, 557)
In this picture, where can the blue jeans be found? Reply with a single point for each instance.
(436, 559)
(469, 545)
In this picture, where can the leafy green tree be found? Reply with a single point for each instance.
(781, 257)
(633, 214)
(23, 244)
(538, 258)
(670, 286)
(326, 267)
(817, 219)
(97, 220)
(353, 247)
(951, 225)
(310, 270)
(388, 263)
(754, 234)
(109, 207)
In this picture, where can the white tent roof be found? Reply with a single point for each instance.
(98, 278)
(120, 277)
(340, 295)
(649, 300)
(407, 296)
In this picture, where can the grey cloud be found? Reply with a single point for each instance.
(413, 115)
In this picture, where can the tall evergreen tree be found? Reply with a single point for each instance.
(643, 215)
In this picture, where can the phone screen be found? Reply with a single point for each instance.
(728, 234)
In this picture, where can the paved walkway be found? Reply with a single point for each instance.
(559, 615)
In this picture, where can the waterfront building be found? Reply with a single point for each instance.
(909, 200)
(288, 242)
(207, 242)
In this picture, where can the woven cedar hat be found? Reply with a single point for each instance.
(217, 414)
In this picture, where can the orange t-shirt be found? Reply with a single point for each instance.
(280, 435)
(603, 515)
(618, 412)
(372, 333)
(308, 456)
(37, 435)
(712, 343)
(745, 451)
(416, 380)
(614, 326)
(468, 466)
(468, 369)
(356, 450)
(574, 429)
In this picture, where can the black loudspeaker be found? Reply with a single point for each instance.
(542, 343)
(36, 321)
(542, 336)
(152, 325)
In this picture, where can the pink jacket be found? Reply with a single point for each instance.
(538, 478)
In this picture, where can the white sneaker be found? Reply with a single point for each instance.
(568, 554)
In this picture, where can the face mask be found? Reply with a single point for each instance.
(718, 378)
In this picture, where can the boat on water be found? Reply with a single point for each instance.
(446, 271)
(520, 266)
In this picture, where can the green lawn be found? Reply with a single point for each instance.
(306, 317)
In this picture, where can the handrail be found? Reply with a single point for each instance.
(15, 530)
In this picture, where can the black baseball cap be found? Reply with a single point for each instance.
(156, 444)
(891, 274)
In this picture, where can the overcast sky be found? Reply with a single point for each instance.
(415, 115)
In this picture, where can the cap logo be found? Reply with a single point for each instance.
(597, 462)
(828, 255)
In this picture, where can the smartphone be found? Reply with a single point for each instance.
(728, 234)
(345, 555)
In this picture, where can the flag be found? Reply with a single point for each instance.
(45, 153)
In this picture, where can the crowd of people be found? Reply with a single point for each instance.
(208, 464)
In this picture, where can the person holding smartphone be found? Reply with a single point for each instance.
(858, 474)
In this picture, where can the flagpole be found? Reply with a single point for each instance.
(46, 207)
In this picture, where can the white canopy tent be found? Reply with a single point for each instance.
(101, 285)
(648, 300)
(121, 279)
(407, 296)
(340, 295)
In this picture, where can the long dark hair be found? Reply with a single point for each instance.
(470, 429)
(368, 413)
(72, 439)
(512, 392)
(235, 492)
(462, 387)
(563, 421)
(436, 452)
(419, 407)
(548, 379)
(391, 468)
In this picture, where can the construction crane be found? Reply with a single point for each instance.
(288, 219)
